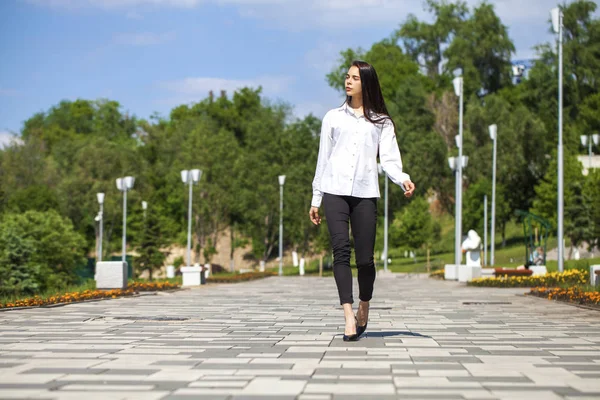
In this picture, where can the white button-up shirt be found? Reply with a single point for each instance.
(347, 161)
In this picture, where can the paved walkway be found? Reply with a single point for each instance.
(281, 337)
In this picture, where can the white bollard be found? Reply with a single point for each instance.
(295, 258)
(302, 266)
(170, 271)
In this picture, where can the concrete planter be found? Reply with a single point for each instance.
(192, 276)
(467, 273)
(111, 275)
(538, 270)
(450, 272)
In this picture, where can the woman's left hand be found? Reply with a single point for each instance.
(409, 188)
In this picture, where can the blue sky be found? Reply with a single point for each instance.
(152, 55)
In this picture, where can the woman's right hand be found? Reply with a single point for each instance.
(314, 215)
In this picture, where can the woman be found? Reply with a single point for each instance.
(346, 182)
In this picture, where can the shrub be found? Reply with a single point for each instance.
(38, 251)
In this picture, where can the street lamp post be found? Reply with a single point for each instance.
(281, 183)
(459, 91)
(385, 220)
(587, 140)
(190, 177)
(100, 218)
(485, 229)
(557, 24)
(454, 164)
(124, 185)
(493, 135)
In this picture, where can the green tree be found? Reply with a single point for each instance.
(482, 48)
(414, 228)
(42, 248)
(591, 193)
(150, 245)
(425, 42)
(473, 208)
(577, 212)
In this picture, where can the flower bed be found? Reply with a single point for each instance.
(572, 295)
(133, 288)
(438, 274)
(571, 277)
(246, 276)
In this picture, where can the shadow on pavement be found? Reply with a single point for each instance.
(396, 333)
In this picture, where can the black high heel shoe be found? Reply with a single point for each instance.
(352, 338)
(361, 329)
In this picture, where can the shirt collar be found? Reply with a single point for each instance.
(348, 110)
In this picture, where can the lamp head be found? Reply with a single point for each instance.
(129, 181)
(452, 163)
(465, 161)
(281, 180)
(458, 85)
(493, 131)
(100, 197)
(196, 175)
(185, 175)
(555, 13)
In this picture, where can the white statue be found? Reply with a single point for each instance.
(471, 247)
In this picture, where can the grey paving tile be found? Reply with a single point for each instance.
(446, 345)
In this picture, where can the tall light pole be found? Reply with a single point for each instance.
(587, 140)
(100, 218)
(557, 24)
(485, 207)
(493, 135)
(124, 185)
(459, 91)
(190, 177)
(385, 220)
(454, 164)
(281, 183)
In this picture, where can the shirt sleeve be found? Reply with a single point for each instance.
(324, 153)
(389, 155)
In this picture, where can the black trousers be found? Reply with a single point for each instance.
(362, 215)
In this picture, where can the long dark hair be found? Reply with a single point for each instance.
(373, 103)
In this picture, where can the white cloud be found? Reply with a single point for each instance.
(6, 138)
(143, 38)
(198, 88)
(323, 14)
